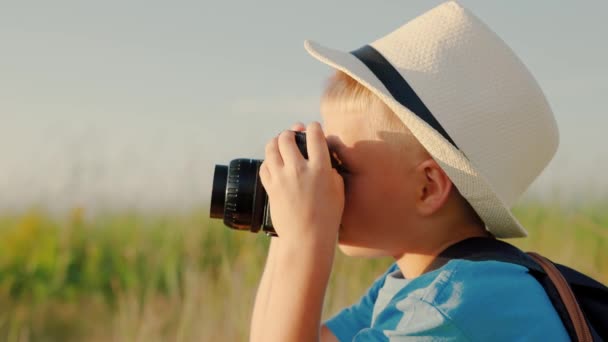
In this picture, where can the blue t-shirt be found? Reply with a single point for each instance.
(461, 301)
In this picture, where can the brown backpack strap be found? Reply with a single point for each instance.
(576, 315)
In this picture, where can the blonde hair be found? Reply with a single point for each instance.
(345, 94)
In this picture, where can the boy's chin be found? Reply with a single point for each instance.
(358, 251)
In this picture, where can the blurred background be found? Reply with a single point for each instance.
(113, 114)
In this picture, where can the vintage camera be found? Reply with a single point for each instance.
(239, 198)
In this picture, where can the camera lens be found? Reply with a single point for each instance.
(245, 196)
(218, 193)
(238, 196)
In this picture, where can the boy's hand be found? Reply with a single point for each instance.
(306, 196)
(306, 202)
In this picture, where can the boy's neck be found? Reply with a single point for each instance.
(413, 265)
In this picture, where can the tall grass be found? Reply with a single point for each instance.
(182, 277)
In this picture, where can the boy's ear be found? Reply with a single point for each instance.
(433, 187)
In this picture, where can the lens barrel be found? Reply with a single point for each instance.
(244, 195)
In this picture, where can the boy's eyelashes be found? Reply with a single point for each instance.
(337, 153)
(341, 167)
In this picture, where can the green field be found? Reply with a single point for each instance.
(181, 277)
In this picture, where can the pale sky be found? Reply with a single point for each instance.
(131, 103)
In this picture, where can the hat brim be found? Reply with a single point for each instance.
(497, 216)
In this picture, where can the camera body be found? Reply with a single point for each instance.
(239, 198)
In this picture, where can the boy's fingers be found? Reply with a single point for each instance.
(299, 127)
(264, 173)
(289, 150)
(272, 154)
(316, 144)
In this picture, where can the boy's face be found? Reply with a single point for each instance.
(380, 186)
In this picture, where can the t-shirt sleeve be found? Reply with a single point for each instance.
(349, 321)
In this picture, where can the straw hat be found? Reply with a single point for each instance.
(467, 98)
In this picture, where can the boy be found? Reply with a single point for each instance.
(440, 128)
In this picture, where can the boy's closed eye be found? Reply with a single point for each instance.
(338, 153)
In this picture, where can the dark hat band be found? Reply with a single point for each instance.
(398, 86)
